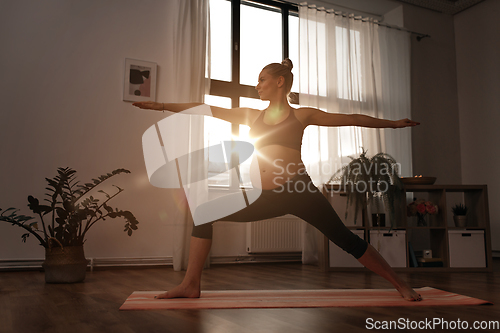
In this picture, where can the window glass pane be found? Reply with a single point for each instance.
(261, 41)
(217, 130)
(293, 39)
(222, 102)
(220, 40)
(253, 103)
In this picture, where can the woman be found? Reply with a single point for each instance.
(279, 172)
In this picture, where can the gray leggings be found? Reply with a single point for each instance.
(301, 198)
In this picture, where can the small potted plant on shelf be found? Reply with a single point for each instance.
(366, 179)
(63, 223)
(420, 208)
(460, 215)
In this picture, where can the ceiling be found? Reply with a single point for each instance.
(451, 7)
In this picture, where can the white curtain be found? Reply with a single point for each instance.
(351, 65)
(191, 51)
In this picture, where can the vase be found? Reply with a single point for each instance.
(460, 221)
(64, 264)
(421, 221)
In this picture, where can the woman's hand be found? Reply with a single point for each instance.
(405, 123)
(149, 105)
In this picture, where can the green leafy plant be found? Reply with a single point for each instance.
(70, 211)
(459, 210)
(365, 179)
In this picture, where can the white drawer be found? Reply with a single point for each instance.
(467, 248)
(391, 245)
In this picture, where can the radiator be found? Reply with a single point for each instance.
(281, 234)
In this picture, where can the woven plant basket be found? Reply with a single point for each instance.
(64, 264)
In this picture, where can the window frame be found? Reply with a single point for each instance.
(234, 89)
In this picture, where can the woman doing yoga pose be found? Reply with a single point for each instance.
(277, 171)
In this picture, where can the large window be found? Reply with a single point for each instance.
(245, 36)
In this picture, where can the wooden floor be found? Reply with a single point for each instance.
(28, 305)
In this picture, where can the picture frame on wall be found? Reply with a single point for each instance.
(140, 81)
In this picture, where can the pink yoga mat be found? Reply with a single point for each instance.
(239, 299)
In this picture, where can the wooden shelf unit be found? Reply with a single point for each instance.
(435, 234)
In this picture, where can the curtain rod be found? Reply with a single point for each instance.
(419, 35)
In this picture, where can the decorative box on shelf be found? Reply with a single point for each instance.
(430, 262)
(467, 248)
(391, 245)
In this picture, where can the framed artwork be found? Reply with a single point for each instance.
(140, 81)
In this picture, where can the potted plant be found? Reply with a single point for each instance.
(420, 208)
(365, 179)
(460, 215)
(63, 223)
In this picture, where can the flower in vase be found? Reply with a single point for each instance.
(431, 209)
(421, 208)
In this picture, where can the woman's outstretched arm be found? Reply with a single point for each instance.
(245, 116)
(321, 118)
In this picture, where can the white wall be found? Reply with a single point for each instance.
(61, 90)
(478, 73)
(395, 17)
(436, 142)
(455, 80)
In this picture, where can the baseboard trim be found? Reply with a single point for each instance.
(21, 264)
(36, 264)
(258, 258)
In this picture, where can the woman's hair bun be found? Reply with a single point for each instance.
(287, 63)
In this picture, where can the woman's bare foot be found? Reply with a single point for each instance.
(409, 294)
(372, 260)
(182, 291)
